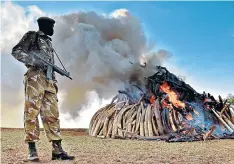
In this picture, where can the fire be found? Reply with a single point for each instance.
(189, 116)
(152, 100)
(166, 105)
(173, 97)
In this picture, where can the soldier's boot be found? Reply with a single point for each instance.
(32, 152)
(58, 152)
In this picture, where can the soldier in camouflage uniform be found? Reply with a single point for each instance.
(40, 93)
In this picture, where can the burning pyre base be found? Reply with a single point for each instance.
(172, 111)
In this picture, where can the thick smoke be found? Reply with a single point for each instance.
(102, 52)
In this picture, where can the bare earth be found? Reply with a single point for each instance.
(105, 151)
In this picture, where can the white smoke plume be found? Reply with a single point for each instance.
(98, 50)
(102, 52)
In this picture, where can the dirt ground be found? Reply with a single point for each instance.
(106, 151)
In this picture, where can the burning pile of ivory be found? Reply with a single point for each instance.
(169, 110)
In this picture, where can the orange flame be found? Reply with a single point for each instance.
(152, 100)
(173, 98)
(166, 105)
(189, 117)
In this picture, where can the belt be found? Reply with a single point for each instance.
(34, 68)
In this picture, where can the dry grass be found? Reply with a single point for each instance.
(105, 151)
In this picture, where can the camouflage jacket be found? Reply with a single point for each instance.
(33, 41)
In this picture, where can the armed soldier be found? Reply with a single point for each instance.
(40, 91)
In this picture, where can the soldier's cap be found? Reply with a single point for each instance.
(45, 19)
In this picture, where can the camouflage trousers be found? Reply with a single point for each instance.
(40, 98)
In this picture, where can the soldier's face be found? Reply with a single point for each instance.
(50, 29)
(47, 28)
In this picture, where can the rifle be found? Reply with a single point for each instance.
(51, 67)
